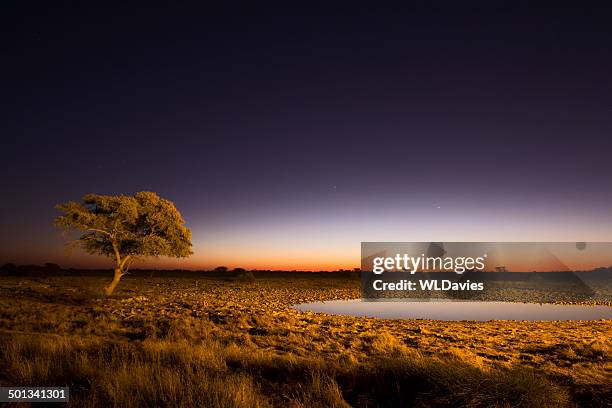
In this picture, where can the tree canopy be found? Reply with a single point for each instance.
(127, 228)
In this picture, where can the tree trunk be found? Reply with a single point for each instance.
(111, 287)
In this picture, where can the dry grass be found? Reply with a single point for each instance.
(177, 373)
(213, 343)
(129, 375)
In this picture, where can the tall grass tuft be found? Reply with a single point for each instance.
(210, 374)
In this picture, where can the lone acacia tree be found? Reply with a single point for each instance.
(127, 228)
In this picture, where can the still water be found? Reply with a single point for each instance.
(458, 310)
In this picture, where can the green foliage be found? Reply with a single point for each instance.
(127, 228)
(142, 225)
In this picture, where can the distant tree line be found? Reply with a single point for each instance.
(49, 268)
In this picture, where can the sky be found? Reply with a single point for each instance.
(286, 137)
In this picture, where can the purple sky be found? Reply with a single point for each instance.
(286, 139)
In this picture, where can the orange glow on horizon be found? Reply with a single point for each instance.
(315, 255)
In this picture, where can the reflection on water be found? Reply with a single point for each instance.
(458, 310)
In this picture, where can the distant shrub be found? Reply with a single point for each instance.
(14, 270)
(8, 269)
(52, 267)
(241, 274)
(246, 277)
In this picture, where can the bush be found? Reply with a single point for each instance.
(243, 275)
(52, 267)
(9, 269)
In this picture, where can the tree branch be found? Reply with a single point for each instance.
(127, 268)
(128, 257)
(99, 230)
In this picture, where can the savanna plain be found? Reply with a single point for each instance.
(197, 339)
